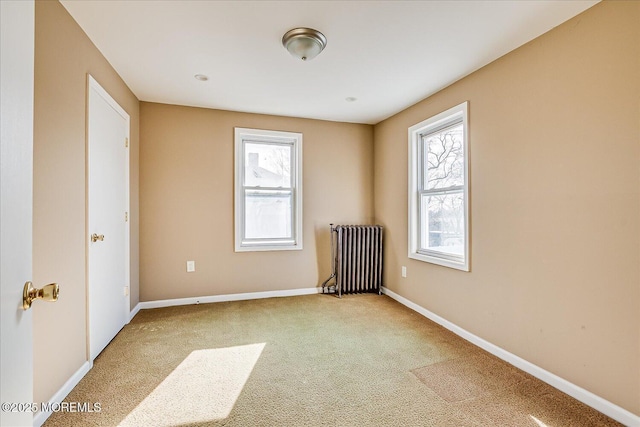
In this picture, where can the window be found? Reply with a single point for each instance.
(439, 189)
(268, 190)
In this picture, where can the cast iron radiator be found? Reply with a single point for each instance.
(356, 255)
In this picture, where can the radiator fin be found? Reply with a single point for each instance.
(358, 258)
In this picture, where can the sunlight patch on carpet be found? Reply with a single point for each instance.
(204, 387)
(540, 423)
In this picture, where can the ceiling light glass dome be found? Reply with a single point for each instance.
(304, 43)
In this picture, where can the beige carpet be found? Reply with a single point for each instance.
(315, 360)
(470, 377)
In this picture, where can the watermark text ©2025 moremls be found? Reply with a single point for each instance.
(52, 407)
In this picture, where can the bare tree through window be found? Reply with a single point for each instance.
(444, 208)
(438, 189)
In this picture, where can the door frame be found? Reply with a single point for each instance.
(92, 83)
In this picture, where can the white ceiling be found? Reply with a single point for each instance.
(387, 54)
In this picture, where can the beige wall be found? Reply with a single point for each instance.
(186, 201)
(63, 57)
(555, 203)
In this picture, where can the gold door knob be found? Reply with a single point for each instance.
(95, 237)
(47, 293)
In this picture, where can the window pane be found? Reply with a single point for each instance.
(442, 223)
(268, 215)
(267, 165)
(444, 158)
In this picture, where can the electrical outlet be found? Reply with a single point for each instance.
(404, 271)
(191, 266)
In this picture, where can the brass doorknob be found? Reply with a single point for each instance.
(47, 293)
(95, 237)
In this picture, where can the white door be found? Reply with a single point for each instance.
(16, 197)
(108, 207)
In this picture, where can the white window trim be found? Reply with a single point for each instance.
(432, 123)
(265, 136)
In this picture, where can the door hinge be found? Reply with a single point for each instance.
(126, 216)
(126, 143)
(126, 291)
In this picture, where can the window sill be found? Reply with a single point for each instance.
(253, 247)
(458, 265)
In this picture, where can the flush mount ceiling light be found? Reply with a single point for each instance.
(304, 43)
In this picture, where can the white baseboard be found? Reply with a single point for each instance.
(133, 313)
(228, 297)
(617, 413)
(40, 417)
